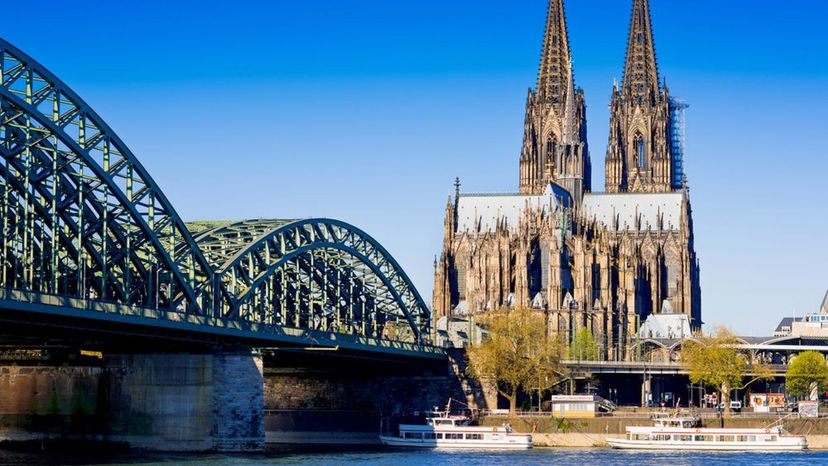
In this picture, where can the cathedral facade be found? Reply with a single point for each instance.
(605, 261)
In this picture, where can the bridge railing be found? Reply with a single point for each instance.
(247, 329)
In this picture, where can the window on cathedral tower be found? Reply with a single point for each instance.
(550, 143)
(641, 151)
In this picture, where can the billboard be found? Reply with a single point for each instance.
(808, 408)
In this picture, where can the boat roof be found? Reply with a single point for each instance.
(700, 430)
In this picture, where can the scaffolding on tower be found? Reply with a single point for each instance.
(677, 140)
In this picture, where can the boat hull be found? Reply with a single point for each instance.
(519, 442)
(789, 444)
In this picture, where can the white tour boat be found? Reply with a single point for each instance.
(444, 430)
(684, 433)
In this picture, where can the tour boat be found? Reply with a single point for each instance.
(685, 433)
(444, 430)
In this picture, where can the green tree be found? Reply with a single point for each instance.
(715, 361)
(584, 347)
(807, 370)
(516, 353)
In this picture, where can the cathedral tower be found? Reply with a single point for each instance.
(554, 140)
(607, 262)
(640, 156)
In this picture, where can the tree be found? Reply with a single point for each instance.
(584, 347)
(517, 353)
(807, 370)
(715, 361)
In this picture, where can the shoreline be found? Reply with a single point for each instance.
(580, 440)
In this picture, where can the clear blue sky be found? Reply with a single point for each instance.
(366, 111)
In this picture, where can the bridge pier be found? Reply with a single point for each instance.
(185, 402)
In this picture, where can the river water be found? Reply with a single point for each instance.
(591, 457)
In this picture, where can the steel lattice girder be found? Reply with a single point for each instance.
(350, 249)
(89, 185)
(80, 217)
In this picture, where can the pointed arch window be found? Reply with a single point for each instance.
(550, 143)
(640, 150)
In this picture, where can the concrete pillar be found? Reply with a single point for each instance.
(185, 402)
(646, 390)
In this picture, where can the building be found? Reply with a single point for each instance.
(576, 406)
(454, 332)
(666, 325)
(608, 260)
(811, 325)
(783, 329)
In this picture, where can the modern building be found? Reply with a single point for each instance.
(812, 325)
(783, 329)
(606, 261)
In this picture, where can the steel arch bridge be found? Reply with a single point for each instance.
(84, 225)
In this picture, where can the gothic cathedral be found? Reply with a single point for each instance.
(605, 261)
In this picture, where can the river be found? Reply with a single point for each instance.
(591, 457)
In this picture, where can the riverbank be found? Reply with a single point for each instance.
(585, 433)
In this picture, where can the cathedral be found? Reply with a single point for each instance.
(604, 261)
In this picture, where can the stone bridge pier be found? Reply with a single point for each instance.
(185, 402)
(201, 401)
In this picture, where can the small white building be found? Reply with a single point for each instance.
(575, 406)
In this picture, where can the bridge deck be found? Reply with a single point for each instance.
(239, 332)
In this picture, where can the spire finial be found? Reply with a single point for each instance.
(641, 69)
(457, 186)
(555, 56)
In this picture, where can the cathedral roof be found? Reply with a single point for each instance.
(620, 211)
(665, 326)
(482, 212)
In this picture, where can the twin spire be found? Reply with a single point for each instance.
(555, 73)
(556, 78)
(555, 144)
(640, 70)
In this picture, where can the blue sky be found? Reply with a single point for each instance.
(366, 111)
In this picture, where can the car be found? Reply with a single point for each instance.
(734, 406)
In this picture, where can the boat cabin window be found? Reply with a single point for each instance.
(726, 438)
(430, 435)
(443, 422)
(451, 436)
(413, 435)
(661, 437)
(439, 436)
(770, 438)
(474, 436)
(683, 437)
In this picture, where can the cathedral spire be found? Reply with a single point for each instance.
(555, 63)
(569, 125)
(640, 70)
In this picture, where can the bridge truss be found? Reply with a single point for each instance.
(81, 218)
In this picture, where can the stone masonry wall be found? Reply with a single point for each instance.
(186, 402)
(42, 401)
(160, 401)
(238, 402)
